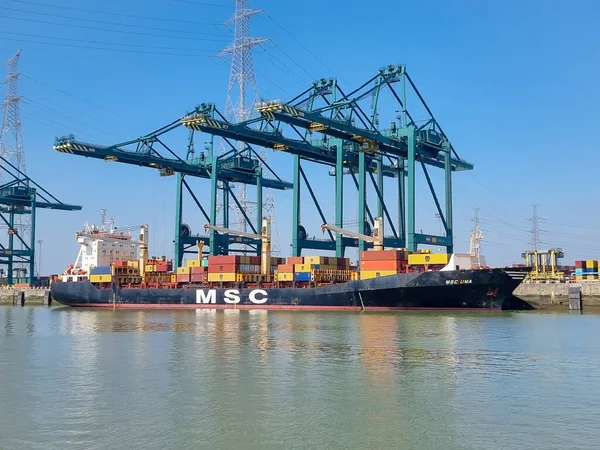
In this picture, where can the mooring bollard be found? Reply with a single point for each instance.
(22, 298)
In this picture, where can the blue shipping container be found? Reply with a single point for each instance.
(100, 271)
(302, 276)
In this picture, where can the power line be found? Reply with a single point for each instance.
(104, 22)
(202, 4)
(302, 45)
(76, 97)
(131, 16)
(109, 43)
(123, 50)
(105, 29)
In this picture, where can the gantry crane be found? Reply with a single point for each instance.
(265, 238)
(329, 127)
(376, 238)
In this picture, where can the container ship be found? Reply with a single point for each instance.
(106, 276)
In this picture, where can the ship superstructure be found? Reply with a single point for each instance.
(100, 247)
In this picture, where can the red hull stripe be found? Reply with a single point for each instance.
(269, 307)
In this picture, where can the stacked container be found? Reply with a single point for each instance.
(428, 259)
(101, 275)
(587, 270)
(227, 268)
(381, 263)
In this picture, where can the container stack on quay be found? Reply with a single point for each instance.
(587, 270)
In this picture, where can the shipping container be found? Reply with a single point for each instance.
(100, 278)
(223, 259)
(149, 267)
(417, 259)
(198, 277)
(305, 267)
(302, 276)
(367, 274)
(382, 255)
(183, 270)
(295, 260)
(285, 276)
(223, 268)
(579, 264)
(195, 270)
(183, 277)
(224, 277)
(395, 265)
(173, 278)
(205, 262)
(133, 264)
(288, 268)
(316, 260)
(101, 271)
(194, 263)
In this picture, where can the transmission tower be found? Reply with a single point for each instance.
(20, 196)
(11, 144)
(535, 229)
(242, 95)
(476, 237)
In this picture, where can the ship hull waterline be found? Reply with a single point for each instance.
(484, 289)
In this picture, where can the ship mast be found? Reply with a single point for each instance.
(476, 238)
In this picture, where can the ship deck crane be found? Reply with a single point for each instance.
(376, 238)
(265, 237)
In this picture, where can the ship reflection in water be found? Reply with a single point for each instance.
(224, 379)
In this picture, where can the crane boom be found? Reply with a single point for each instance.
(376, 239)
(265, 237)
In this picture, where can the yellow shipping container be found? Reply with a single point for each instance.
(149, 267)
(245, 259)
(285, 276)
(316, 260)
(366, 274)
(418, 259)
(101, 278)
(133, 264)
(194, 263)
(183, 270)
(304, 267)
(173, 278)
(355, 276)
(226, 277)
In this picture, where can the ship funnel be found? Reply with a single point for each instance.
(143, 250)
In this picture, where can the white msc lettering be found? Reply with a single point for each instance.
(201, 297)
(258, 301)
(232, 296)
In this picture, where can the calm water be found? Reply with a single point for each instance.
(89, 379)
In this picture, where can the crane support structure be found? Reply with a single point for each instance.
(264, 237)
(376, 238)
(324, 125)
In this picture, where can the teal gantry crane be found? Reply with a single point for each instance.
(322, 125)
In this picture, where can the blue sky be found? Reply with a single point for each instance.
(512, 83)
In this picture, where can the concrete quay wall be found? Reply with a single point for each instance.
(33, 296)
(557, 293)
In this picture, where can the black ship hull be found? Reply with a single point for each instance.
(489, 289)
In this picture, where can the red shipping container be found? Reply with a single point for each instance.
(579, 264)
(383, 255)
(255, 260)
(183, 278)
(380, 265)
(223, 268)
(120, 264)
(196, 270)
(198, 278)
(285, 268)
(295, 260)
(223, 259)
